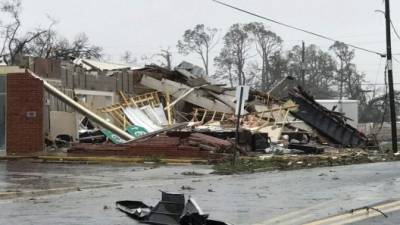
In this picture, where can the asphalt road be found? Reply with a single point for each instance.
(85, 194)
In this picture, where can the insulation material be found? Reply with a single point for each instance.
(138, 117)
(155, 114)
(159, 110)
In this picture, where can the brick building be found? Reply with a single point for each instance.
(28, 113)
(21, 112)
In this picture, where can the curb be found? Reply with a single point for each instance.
(109, 159)
(139, 160)
(52, 191)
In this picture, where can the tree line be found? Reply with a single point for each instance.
(253, 55)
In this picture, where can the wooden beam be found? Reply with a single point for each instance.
(124, 98)
(180, 98)
(169, 112)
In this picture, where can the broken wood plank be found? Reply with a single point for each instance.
(124, 98)
(169, 111)
(180, 98)
(196, 97)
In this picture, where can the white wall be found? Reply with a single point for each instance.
(348, 107)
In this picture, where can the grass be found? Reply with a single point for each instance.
(157, 159)
(244, 166)
(252, 165)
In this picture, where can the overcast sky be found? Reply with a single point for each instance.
(145, 26)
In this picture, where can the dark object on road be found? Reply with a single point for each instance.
(329, 124)
(171, 210)
(135, 209)
(306, 148)
(368, 208)
(168, 210)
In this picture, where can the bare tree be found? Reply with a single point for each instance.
(44, 43)
(166, 55)
(319, 67)
(377, 109)
(80, 47)
(350, 80)
(128, 58)
(224, 62)
(348, 77)
(267, 43)
(236, 46)
(52, 45)
(14, 44)
(201, 41)
(278, 67)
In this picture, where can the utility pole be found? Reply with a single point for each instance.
(303, 65)
(241, 96)
(341, 87)
(237, 135)
(390, 77)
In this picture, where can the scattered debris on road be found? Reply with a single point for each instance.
(171, 210)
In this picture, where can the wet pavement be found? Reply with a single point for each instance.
(278, 197)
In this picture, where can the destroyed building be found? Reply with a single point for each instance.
(93, 108)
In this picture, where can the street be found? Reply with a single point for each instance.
(86, 194)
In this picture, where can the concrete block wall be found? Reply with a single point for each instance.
(47, 68)
(72, 76)
(24, 115)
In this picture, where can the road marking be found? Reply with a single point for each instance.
(358, 215)
(370, 214)
(294, 215)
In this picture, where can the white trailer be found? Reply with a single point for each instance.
(348, 107)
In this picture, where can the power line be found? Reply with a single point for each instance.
(394, 30)
(365, 84)
(377, 75)
(391, 24)
(395, 59)
(298, 29)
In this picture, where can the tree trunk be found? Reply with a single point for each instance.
(263, 74)
(206, 64)
(230, 75)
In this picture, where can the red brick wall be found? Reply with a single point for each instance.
(24, 135)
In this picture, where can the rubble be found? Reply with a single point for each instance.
(165, 146)
(307, 148)
(180, 113)
(331, 125)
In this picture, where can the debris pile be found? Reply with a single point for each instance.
(182, 113)
(194, 146)
(331, 125)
